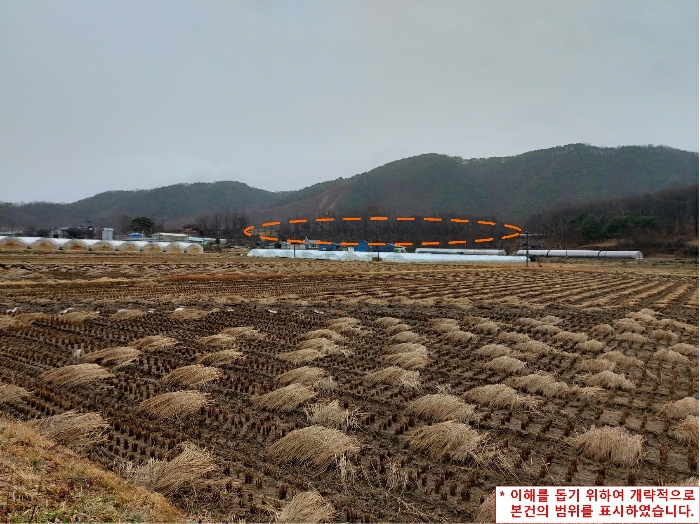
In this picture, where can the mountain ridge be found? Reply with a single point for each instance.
(513, 187)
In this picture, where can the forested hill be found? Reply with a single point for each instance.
(507, 187)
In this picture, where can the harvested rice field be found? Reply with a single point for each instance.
(353, 392)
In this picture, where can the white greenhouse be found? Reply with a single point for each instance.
(581, 253)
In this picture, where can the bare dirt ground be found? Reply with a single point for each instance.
(395, 351)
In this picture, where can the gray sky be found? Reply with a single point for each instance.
(98, 95)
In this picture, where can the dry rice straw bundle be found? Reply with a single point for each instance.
(153, 342)
(306, 375)
(244, 332)
(78, 317)
(681, 408)
(686, 431)
(174, 404)
(590, 346)
(460, 336)
(406, 336)
(619, 358)
(409, 360)
(570, 337)
(287, 398)
(323, 333)
(668, 355)
(188, 469)
(189, 314)
(608, 443)
(596, 365)
(73, 429)
(70, 376)
(542, 383)
(221, 340)
(222, 358)
(109, 356)
(193, 375)
(126, 314)
(387, 321)
(499, 396)
(513, 338)
(535, 347)
(315, 445)
(300, 356)
(496, 350)
(7, 322)
(602, 329)
(395, 376)
(684, 349)
(505, 364)
(441, 407)
(328, 414)
(610, 380)
(308, 507)
(453, 439)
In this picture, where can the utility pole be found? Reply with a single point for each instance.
(527, 248)
(377, 230)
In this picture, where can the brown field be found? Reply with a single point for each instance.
(385, 421)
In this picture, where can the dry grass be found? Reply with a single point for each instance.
(590, 346)
(387, 321)
(76, 375)
(487, 327)
(188, 314)
(499, 396)
(222, 358)
(406, 347)
(78, 317)
(12, 393)
(300, 356)
(244, 332)
(684, 349)
(460, 336)
(8, 322)
(608, 379)
(285, 399)
(153, 343)
(513, 338)
(609, 444)
(315, 445)
(397, 328)
(596, 365)
(682, 408)
(220, 340)
(505, 364)
(444, 325)
(328, 414)
(541, 383)
(308, 507)
(550, 319)
(193, 375)
(394, 376)
(569, 337)
(632, 338)
(588, 392)
(441, 407)
(662, 335)
(174, 404)
(109, 356)
(409, 360)
(686, 431)
(127, 314)
(496, 350)
(322, 334)
(453, 439)
(190, 469)
(304, 375)
(487, 510)
(406, 336)
(546, 329)
(535, 347)
(38, 475)
(619, 358)
(668, 355)
(73, 429)
(602, 330)
(628, 325)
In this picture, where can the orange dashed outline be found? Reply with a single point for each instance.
(247, 230)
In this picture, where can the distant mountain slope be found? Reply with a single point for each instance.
(509, 187)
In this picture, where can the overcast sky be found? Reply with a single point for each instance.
(100, 95)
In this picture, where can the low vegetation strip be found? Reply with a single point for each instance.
(49, 483)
